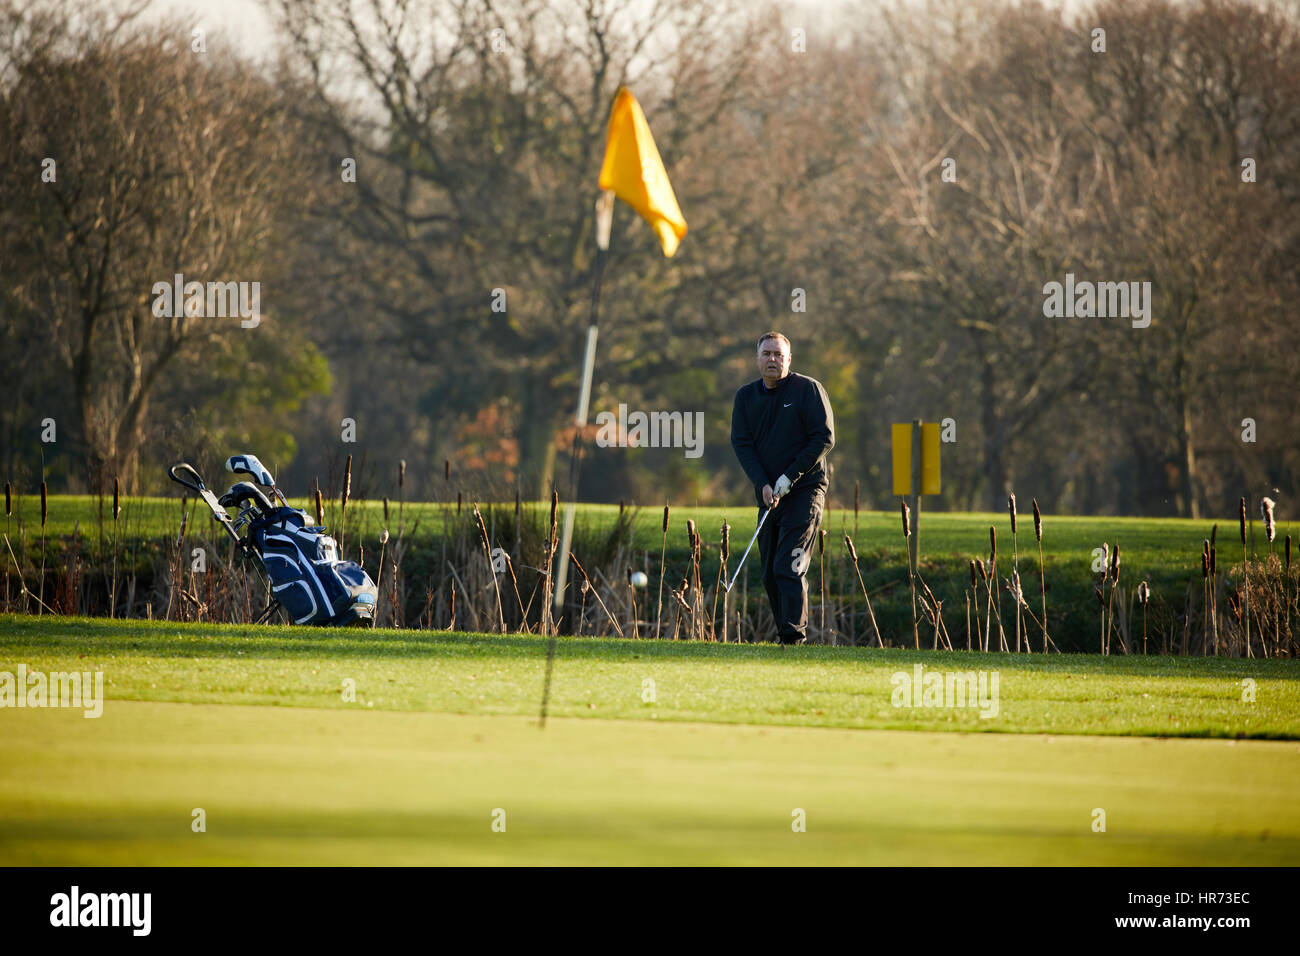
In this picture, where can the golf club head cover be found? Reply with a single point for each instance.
(250, 465)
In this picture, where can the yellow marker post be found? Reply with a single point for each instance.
(916, 471)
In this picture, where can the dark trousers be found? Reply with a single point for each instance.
(787, 546)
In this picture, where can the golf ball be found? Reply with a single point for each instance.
(639, 579)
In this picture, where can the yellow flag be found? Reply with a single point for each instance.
(634, 171)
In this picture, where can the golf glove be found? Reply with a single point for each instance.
(781, 487)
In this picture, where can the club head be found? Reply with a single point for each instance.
(249, 465)
(243, 491)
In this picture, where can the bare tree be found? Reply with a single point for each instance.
(132, 158)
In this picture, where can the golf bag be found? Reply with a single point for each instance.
(307, 577)
(300, 562)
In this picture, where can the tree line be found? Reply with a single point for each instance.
(412, 185)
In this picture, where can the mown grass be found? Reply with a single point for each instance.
(753, 684)
(250, 726)
(288, 786)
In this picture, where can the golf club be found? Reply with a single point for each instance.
(751, 543)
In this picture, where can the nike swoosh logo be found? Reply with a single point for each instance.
(786, 405)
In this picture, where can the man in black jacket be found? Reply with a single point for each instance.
(781, 428)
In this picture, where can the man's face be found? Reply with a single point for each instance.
(773, 359)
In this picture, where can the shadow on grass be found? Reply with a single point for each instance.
(173, 639)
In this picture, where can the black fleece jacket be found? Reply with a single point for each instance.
(786, 430)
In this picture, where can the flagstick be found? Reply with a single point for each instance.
(604, 221)
(575, 459)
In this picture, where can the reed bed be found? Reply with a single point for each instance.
(493, 567)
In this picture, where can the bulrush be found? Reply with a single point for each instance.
(347, 493)
(1101, 593)
(911, 575)
(117, 510)
(548, 568)
(717, 588)
(45, 510)
(697, 599)
(994, 594)
(663, 550)
(8, 514)
(975, 591)
(1286, 587)
(1110, 601)
(1270, 532)
(1042, 570)
(853, 554)
(821, 576)
(1144, 598)
(379, 578)
(1245, 572)
(1207, 591)
(631, 598)
(487, 551)
(1015, 568)
(1266, 512)
(692, 577)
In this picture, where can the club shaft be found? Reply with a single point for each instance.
(750, 547)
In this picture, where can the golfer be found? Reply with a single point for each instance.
(781, 429)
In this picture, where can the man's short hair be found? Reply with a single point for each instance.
(774, 335)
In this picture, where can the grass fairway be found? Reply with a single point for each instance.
(304, 786)
(249, 725)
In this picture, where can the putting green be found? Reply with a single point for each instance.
(308, 786)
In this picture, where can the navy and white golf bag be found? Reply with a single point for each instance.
(308, 581)
(307, 577)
